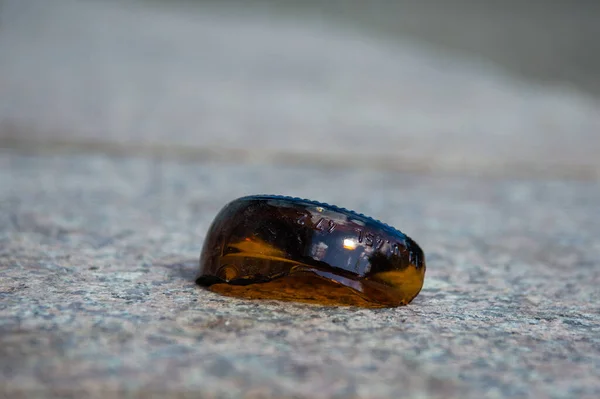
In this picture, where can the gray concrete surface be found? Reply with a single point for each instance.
(99, 256)
(124, 127)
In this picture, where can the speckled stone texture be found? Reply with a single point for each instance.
(126, 126)
(98, 257)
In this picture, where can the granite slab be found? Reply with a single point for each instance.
(97, 299)
(126, 125)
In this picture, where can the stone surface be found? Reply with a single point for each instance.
(126, 126)
(98, 257)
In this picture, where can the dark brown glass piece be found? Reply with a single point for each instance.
(284, 248)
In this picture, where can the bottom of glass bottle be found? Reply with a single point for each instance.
(320, 287)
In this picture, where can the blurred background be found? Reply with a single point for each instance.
(473, 126)
(463, 86)
(545, 41)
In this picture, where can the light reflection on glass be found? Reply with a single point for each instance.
(349, 243)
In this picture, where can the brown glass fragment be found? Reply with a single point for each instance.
(274, 247)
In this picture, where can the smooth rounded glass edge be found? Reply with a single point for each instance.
(363, 286)
(378, 291)
(388, 288)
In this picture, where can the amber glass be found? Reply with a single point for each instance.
(284, 248)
